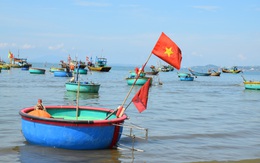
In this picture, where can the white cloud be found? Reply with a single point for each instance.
(7, 45)
(196, 54)
(242, 57)
(3, 44)
(56, 47)
(26, 46)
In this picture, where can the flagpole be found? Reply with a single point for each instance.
(138, 75)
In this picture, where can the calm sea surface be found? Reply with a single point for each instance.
(208, 119)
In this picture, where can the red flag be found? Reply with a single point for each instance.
(141, 97)
(168, 51)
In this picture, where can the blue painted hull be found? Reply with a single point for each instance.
(83, 87)
(62, 74)
(252, 85)
(72, 134)
(199, 73)
(36, 71)
(186, 78)
(81, 71)
(24, 68)
(140, 80)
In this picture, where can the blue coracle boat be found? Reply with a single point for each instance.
(62, 74)
(252, 85)
(37, 71)
(81, 71)
(140, 81)
(185, 77)
(84, 87)
(85, 128)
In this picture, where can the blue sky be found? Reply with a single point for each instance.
(219, 32)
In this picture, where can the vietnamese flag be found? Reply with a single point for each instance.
(168, 51)
(141, 97)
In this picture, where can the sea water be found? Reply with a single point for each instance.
(210, 118)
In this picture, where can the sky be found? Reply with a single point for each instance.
(218, 32)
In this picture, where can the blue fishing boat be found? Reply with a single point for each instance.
(142, 79)
(62, 74)
(252, 85)
(81, 71)
(71, 127)
(199, 73)
(185, 77)
(25, 68)
(255, 85)
(83, 87)
(36, 70)
(53, 69)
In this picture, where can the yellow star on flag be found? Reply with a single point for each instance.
(168, 51)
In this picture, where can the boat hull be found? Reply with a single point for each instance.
(140, 80)
(83, 87)
(231, 71)
(68, 133)
(36, 71)
(194, 73)
(81, 71)
(252, 85)
(53, 69)
(215, 74)
(151, 72)
(25, 68)
(62, 74)
(101, 69)
(191, 78)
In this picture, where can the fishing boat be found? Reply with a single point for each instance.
(214, 73)
(185, 76)
(5, 67)
(249, 84)
(53, 69)
(252, 85)
(142, 79)
(195, 73)
(153, 72)
(70, 127)
(62, 74)
(73, 63)
(81, 71)
(233, 70)
(75, 85)
(36, 70)
(22, 63)
(83, 87)
(99, 65)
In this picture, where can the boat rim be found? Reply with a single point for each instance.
(23, 112)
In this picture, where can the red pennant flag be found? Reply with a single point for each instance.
(168, 51)
(141, 97)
